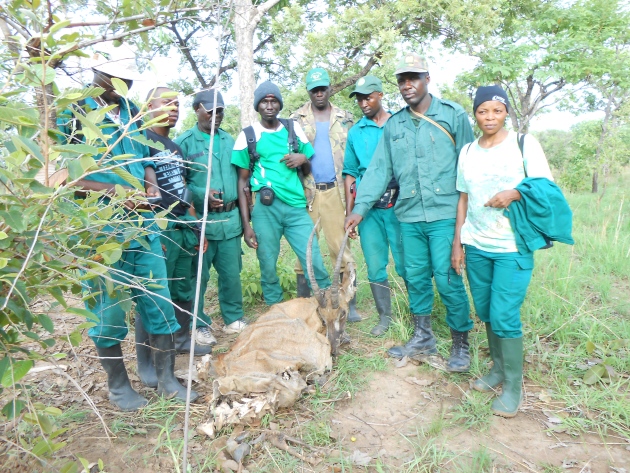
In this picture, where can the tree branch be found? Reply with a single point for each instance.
(352, 79)
(265, 7)
(183, 47)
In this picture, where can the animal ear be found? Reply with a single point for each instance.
(350, 282)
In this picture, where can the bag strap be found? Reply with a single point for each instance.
(250, 136)
(290, 126)
(432, 122)
(520, 137)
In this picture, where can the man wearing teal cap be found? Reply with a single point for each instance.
(380, 229)
(420, 148)
(326, 127)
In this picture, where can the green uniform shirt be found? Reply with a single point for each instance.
(269, 171)
(194, 144)
(134, 165)
(362, 141)
(423, 160)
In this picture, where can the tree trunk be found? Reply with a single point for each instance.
(246, 19)
(595, 185)
(607, 116)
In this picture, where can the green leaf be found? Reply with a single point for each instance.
(75, 338)
(3, 236)
(77, 149)
(590, 347)
(28, 146)
(16, 372)
(120, 86)
(57, 293)
(5, 261)
(84, 313)
(46, 322)
(128, 177)
(15, 116)
(43, 74)
(594, 374)
(4, 364)
(13, 408)
(14, 219)
(70, 467)
(59, 26)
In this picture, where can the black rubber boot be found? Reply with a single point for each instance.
(164, 356)
(494, 378)
(146, 367)
(353, 315)
(303, 289)
(182, 336)
(121, 394)
(422, 343)
(510, 400)
(383, 302)
(459, 361)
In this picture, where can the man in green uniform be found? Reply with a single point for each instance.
(223, 228)
(326, 127)
(179, 240)
(380, 229)
(141, 267)
(280, 208)
(420, 147)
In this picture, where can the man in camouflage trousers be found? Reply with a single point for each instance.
(326, 127)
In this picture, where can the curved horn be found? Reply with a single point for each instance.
(309, 268)
(334, 288)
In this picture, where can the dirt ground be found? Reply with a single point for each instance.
(404, 416)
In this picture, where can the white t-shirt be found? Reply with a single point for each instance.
(482, 173)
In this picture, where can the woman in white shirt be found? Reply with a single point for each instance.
(489, 169)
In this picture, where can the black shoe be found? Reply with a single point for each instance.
(146, 367)
(182, 336)
(121, 394)
(422, 342)
(383, 302)
(459, 361)
(303, 289)
(164, 357)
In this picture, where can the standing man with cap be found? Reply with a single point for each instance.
(223, 228)
(280, 208)
(326, 127)
(141, 265)
(380, 229)
(420, 147)
(179, 239)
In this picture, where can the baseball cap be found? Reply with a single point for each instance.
(205, 98)
(412, 62)
(122, 68)
(317, 77)
(366, 85)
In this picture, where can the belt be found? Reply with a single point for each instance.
(224, 208)
(324, 186)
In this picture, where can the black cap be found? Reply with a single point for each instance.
(205, 98)
(489, 93)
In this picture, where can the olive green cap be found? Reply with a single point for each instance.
(412, 62)
(317, 77)
(366, 85)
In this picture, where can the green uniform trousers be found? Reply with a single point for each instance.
(180, 242)
(270, 223)
(498, 284)
(427, 247)
(153, 301)
(225, 256)
(380, 232)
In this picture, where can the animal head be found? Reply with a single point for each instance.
(333, 302)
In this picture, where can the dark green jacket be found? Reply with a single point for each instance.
(542, 215)
(224, 176)
(423, 160)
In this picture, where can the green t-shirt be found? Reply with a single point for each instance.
(269, 171)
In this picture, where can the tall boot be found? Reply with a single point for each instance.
(121, 394)
(164, 356)
(303, 289)
(146, 367)
(353, 315)
(383, 302)
(510, 400)
(459, 361)
(422, 343)
(494, 378)
(182, 336)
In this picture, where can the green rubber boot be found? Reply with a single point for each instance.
(510, 400)
(494, 378)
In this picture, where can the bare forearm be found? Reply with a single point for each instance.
(349, 180)
(462, 211)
